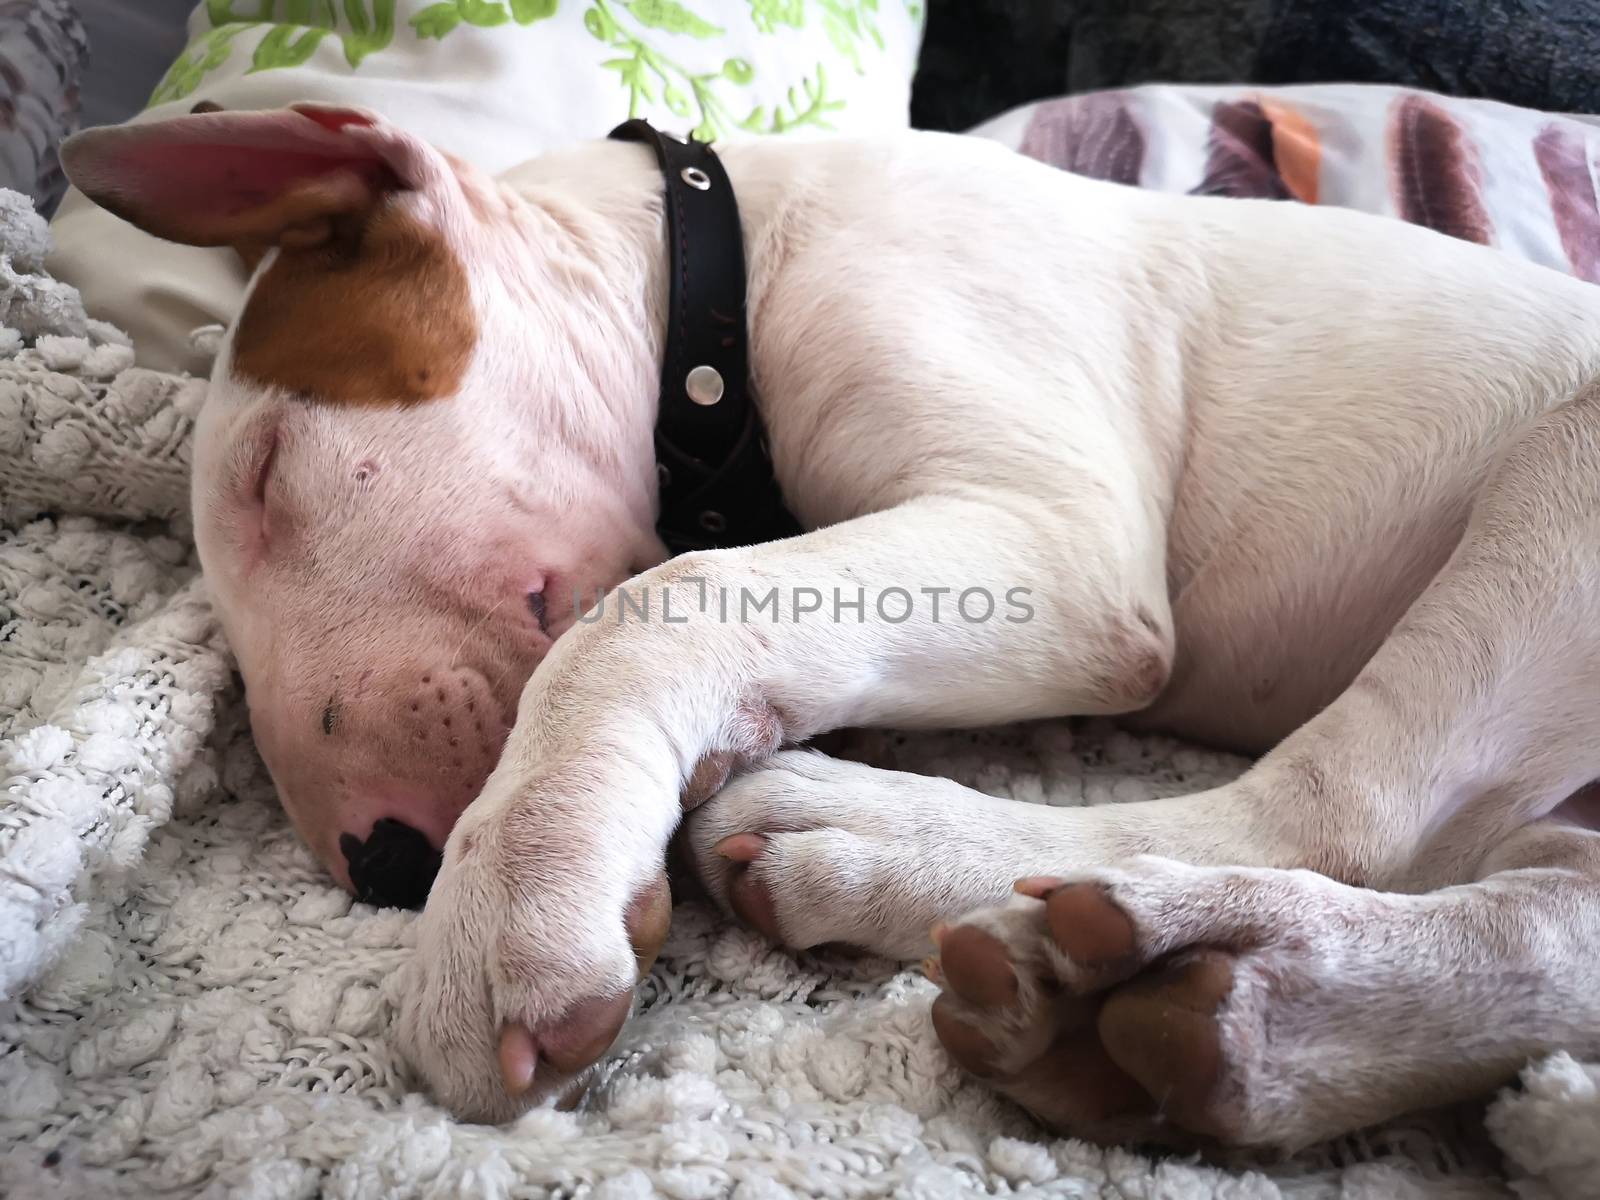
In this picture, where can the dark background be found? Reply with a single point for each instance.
(131, 43)
(980, 58)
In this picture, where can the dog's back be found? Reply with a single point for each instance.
(1271, 375)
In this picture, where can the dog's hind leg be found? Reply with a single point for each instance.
(1166, 1002)
(1270, 1006)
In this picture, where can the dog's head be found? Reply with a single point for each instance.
(427, 432)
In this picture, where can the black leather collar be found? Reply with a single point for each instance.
(717, 483)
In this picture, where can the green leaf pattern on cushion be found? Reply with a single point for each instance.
(848, 25)
(767, 15)
(482, 13)
(287, 46)
(671, 16)
(298, 28)
(698, 96)
(202, 57)
(366, 34)
(630, 28)
(436, 20)
(526, 12)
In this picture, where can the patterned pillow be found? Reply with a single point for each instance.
(1523, 181)
(496, 82)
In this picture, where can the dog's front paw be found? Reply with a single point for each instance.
(524, 969)
(812, 850)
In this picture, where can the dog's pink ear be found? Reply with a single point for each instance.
(294, 177)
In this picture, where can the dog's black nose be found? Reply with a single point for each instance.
(394, 867)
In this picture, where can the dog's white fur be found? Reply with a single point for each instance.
(1234, 448)
(1276, 478)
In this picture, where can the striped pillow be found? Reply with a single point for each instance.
(1520, 180)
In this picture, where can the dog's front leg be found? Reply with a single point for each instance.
(552, 897)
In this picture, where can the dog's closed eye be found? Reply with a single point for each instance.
(247, 480)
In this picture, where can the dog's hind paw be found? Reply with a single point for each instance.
(1136, 1004)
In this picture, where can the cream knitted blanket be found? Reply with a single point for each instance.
(188, 1007)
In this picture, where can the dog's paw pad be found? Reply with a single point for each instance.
(996, 1014)
(1162, 1028)
(977, 967)
(1003, 1018)
(647, 921)
(748, 895)
(981, 988)
(973, 1050)
(1054, 1001)
(1091, 931)
(1075, 1085)
(567, 1046)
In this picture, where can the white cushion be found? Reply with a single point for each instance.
(496, 82)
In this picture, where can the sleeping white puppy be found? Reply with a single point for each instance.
(1280, 479)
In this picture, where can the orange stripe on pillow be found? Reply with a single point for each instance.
(1239, 159)
(1295, 147)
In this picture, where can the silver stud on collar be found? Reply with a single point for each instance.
(704, 385)
(696, 178)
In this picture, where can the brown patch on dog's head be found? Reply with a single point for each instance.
(365, 303)
(379, 315)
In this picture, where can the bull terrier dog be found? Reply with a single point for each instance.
(1298, 482)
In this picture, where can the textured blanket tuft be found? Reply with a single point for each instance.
(188, 1007)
